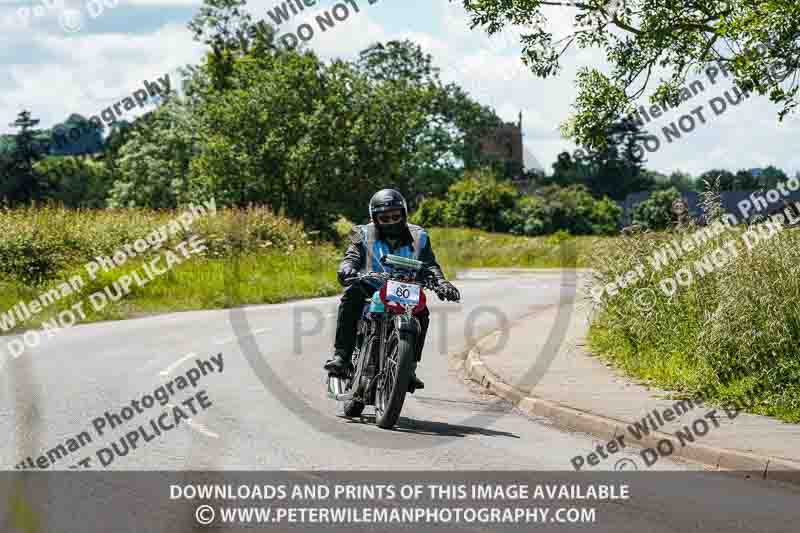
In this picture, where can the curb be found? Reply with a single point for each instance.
(608, 428)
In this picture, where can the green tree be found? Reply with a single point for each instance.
(655, 213)
(745, 180)
(614, 168)
(398, 61)
(568, 209)
(771, 176)
(306, 138)
(76, 136)
(479, 200)
(153, 165)
(20, 182)
(683, 182)
(79, 182)
(229, 32)
(727, 179)
(447, 140)
(645, 40)
(568, 170)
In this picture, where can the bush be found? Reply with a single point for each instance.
(431, 212)
(528, 217)
(478, 201)
(342, 228)
(656, 212)
(76, 181)
(571, 209)
(605, 217)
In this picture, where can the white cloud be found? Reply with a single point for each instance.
(162, 3)
(84, 71)
(92, 71)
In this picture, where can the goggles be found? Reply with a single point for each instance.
(389, 217)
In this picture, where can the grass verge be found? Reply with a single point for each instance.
(277, 260)
(725, 330)
(468, 248)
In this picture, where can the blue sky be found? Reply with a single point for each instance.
(55, 72)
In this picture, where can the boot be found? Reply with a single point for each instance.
(415, 383)
(338, 365)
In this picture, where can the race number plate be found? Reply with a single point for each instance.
(402, 293)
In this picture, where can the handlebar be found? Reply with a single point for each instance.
(428, 282)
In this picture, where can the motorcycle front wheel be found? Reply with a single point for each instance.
(354, 408)
(392, 387)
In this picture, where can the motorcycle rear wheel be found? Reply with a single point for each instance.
(392, 388)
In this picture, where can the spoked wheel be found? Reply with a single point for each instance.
(393, 385)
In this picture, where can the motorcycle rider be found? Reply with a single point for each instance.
(387, 233)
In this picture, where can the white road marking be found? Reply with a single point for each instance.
(200, 428)
(226, 340)
(177, 363)
(197, 426)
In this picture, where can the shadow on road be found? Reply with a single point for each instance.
(441, 429)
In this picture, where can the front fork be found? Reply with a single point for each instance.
(406, 325)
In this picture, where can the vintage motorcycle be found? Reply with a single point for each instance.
(387, 335)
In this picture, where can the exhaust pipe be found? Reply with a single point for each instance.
(336, 387)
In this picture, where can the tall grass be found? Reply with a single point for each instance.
(36, 244)
(470, 248)
(253, 256)
(728, 334)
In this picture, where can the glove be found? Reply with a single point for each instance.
(447, 291)
(346, 272)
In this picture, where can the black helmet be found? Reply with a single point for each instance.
(385, 200)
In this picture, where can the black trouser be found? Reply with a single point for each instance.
(350, 308)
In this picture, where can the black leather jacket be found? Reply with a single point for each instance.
(356, 253)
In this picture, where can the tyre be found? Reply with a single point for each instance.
(392, 388)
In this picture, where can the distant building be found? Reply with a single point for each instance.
(504, 143)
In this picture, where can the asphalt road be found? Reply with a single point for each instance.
(277, 415)
(269, 411)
